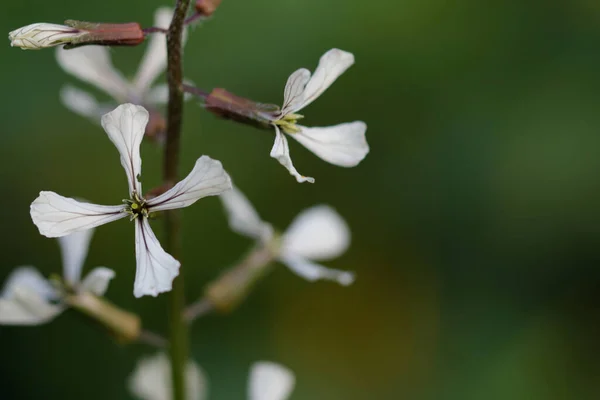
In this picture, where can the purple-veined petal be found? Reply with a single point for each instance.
(313, 272)
(293, 95)
(242, 216)
(74, 249)
(97, 281)
(344, 145)
(156, 268)
(125, 126)
(331, 65)
(57, 216)
(151, 379)
(208, 178)
(281, 152)
(42, 35)
(92, 64)
(317, 233)
(270, 381)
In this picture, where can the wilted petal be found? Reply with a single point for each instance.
(294, 89)
(151, 379)
(281, 152)
(92, 64)
(270, 381)
(243, 218)
(41, 35)
(125, 126)
(81, 102)
(314, 272)
(208, 178)
(344, 144)
(56, 216)
(155, 58)
(331, 65)
(318, 233)
(74, 249)
(156, 268)
(25, 299)
(97, 281)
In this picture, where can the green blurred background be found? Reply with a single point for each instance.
(475, 218)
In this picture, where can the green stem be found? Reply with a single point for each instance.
(178, 331)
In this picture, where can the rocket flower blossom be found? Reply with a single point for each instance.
(344, 145)
(316, 234)
(57, 216)
(28, 298)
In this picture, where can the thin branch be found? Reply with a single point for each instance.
(152, 339)
(154, 29)
(198, 309)
(195, 91)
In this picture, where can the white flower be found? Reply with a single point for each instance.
(318, 233)
(57, 216)
(43, 35)
(151, 379)
(92, 64)
(270, 381)
(344, 145)
(30, 299)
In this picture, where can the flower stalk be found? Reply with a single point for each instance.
(178, 330)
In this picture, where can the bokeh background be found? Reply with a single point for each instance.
(475, 218)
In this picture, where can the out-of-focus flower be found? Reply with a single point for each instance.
(151, 379)
(75, 33)
(57, 216)
(316, 234)
(30, 299)
(92, 64)
(344, 145)
(270, 381)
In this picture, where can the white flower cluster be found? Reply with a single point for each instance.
(317, 234)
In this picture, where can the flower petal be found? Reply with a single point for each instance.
(243, 218)
(151, 379)
(281, 152)
(81, 102)
(25, 299)
(31, 279)
(293, 95)
(92, 64)
(344, 145)
(270, 381)
(125, 126)
(208, 178)
(97, 280)
(318, 233)
(155, 58)
(56, 216)
(27, 308)
(74, 249)
(331, 65)
(314, 272)
(156, 268)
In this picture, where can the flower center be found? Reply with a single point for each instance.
(136, 206)
(287, 123)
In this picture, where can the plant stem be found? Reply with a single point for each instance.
(178, 331)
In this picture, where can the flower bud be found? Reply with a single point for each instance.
(206, 8)
(76, 33)
(229, 106)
